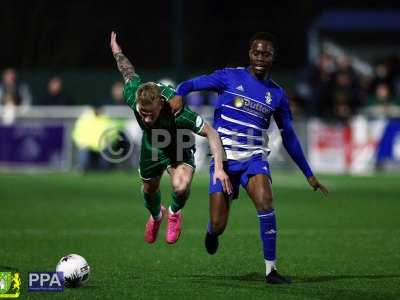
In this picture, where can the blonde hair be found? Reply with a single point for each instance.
(148, 93)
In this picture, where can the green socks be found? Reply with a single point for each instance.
(178, 201)
(153, 203)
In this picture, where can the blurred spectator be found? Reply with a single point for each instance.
(364, 89)
(382, 95)
(296, 103)
(9, 110)
(55, 94)
(11, 85)
(395, 65)
(382, 75)
(91, 130)
(382, 104)
(315, 81)
(341, 109)
(116, 94)
(344, 65)
(345, 94)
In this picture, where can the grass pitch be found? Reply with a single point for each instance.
(345, 246)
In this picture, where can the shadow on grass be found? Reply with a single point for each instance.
(325, 278)
(8, 268)
(258, 277)
(240, 286)
(250, 277)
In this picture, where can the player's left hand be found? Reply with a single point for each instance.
(224, 178)
(115, 48)
(316, 185)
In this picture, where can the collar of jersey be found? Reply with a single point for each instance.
(265, 81)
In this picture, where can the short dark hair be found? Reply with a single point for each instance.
(264, 36)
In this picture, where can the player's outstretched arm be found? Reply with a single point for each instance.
(124, 65)
(215, 81)
(283, 119)
(218, 153)
(293, 147)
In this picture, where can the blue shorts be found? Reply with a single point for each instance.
(239, 173)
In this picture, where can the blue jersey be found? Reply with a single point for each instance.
(243, 113)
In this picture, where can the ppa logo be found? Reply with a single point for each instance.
(46, 281)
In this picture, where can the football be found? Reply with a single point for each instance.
(75, 269)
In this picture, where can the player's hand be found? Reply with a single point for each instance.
(316, 185)
(115, 48)
(176, 104)
(224, 178)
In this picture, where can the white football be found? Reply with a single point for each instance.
(75, 268)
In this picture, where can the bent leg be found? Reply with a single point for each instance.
(219, 213)
(152, 196)
(181, 179)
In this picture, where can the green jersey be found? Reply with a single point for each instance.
(184, 119)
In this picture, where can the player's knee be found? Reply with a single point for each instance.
(150, 188)
(181, 191)
(265, 204)
(180, 188)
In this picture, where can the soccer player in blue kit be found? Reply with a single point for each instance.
(248, 97)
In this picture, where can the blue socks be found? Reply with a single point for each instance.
(268, 233)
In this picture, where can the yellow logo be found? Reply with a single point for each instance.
(10, 284)
(238, 102)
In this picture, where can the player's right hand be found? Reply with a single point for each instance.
(115, 48)
(225, 181)
(316, 185)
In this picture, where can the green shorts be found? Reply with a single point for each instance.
(150, 168)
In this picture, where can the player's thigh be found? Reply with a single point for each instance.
(219, 208)
(181, 176)
(259, 190)
(151, 185)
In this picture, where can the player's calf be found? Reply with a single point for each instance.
(175, 216)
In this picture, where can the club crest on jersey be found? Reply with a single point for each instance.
(268, 98)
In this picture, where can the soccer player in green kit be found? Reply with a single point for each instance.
(158, 110)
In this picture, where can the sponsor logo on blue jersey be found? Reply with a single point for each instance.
(251, 106)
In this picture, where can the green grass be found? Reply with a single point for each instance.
(345, 246)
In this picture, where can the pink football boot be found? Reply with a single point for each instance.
(174, 227)
(152, 227)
